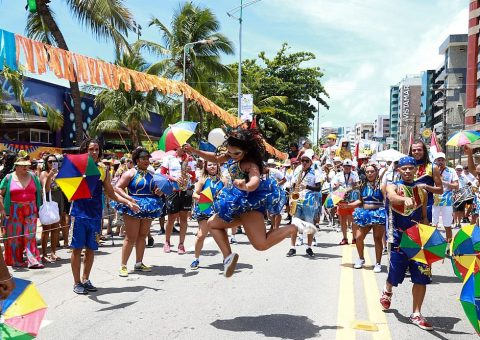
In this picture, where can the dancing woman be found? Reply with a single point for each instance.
(142, 192)
(210, 178)
(370, 214)
(245, 200)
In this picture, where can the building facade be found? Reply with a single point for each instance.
(409, 110)
(394, 118)
(472, 114)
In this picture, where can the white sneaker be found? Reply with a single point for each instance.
(304, 227)
(229, 264)
(359, 263)
(377, 268)
(299, 241)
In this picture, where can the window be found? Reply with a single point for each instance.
(39, 136)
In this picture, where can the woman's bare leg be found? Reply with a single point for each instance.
(132, 229)
(217, 227)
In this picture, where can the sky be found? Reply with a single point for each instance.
(362, 46)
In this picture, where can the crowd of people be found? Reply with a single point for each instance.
(249, 196)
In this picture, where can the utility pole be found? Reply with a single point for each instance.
(318, 122)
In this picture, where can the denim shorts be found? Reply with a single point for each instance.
(306, 213)
(86, 233)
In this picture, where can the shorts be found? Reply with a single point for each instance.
(447, 215)
(305, 213)
(179, 201)
(399, 262)
(86, 233)
(460, 207)
(344, 211)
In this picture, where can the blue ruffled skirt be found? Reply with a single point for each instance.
(231, 202)
(363, 217)
(150, 207)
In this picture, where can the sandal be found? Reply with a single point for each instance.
(47, 259)
(55, 258)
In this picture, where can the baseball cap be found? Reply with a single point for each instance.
(459, 166)
(271, 161)
(348, 162)
(310, 153)
(337, 159)
(332, 136)
(439, 155)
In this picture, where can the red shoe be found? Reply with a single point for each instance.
(354, 241)
(343, 242)
(386, 299)
(421, 322)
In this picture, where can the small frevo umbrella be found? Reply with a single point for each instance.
(470, 297)
(22, 312)
(206, 199)
(78, 177)
(176, 135)
(423, 243)
(465, 250)
(463, 138)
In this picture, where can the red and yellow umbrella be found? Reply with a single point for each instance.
(423, 243)
(22, 312)
(176, 135)
(78, 177)
(206, 199)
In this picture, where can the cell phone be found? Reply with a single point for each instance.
(55, 165)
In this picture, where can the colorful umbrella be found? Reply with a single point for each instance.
(469, 298)
(160, 154)
(176, 135)
(78, 177)
(423, 243)
(465, 249)
(22, 312)
(335, 197)
(463, 137)
(206, 199)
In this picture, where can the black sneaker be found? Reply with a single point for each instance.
(175, 231)
(79, 289)
(310, 252)
(89, 287)
(150, 242)
(465, 220)
(161, 232)
(239, 230)
(177, 224)
(291, 252)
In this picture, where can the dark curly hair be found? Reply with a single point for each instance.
(250, 141)
(86, 143)
(137, 152)
(425, 158)
(365, 182)
(8, 164)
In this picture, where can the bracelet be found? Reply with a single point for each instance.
(11, 277)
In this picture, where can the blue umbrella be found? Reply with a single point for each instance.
(206, 146)
(163, 184)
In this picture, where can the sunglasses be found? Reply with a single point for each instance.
(50, 162)
(305, 161)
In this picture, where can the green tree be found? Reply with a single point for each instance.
(15, 80)
(106, 19)
(190, 23)
(126, 110)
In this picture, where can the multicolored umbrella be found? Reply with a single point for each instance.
(163, 184)
(462, 263)
(464, 137)
(160, 154)
(465, 249)
(78, 177)
(176, 135)
(423, 243)
(206, 199)
(470, 298)
(22, 312)
(335, 197)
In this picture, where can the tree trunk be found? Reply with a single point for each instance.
(44, 12)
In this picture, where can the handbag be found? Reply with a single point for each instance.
(48, 212)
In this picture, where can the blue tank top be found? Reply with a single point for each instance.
(142, 184)
(235, 171)
(372, 195)
(91, 207)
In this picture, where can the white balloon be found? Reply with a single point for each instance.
(216, 137)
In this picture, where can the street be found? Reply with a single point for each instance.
(268, 296)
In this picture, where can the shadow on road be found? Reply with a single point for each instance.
(119, 306)
(116, 290)
(219, 267)
(441, 324)
(445, 279)
(282, 326)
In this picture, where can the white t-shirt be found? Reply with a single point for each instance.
(275, 174)
(310, 178)
(470, 177)
(344, 180)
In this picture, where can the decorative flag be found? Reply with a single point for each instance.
(434, 145)
(206, 199)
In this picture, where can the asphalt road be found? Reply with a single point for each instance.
(269, 296)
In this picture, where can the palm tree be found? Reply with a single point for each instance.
(107, 19)
(125, 110)
(15, 80)
(190, 23)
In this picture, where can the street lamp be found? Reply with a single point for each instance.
(210, 41)
(240, 20)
